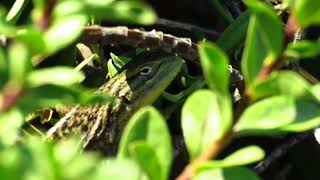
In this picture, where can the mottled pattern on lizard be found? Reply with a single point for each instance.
(138, 84)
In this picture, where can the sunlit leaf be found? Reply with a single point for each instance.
(63, 32)
(306, 12)
(244, 156)
(202, 125)
(16, 10)
(279, 113)
(19, 62)
(54, 75)
(281, 83)
(147, 159)
(147, 125)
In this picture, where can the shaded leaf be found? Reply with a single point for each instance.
(233, 173)
(235, 33)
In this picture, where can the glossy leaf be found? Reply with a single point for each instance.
(254, 53)
(63, 32)
(119, 169)
(241, 157)
(16, 10)
(54, 75)
(147, 125)
(307, 12)
(202, 125)
(19, 62)
(269, 26)
(281, 83)
(233, 173)
(147, 159)
(279, 113)
(214, 63)
(264, 40)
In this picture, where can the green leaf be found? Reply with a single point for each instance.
(214, 63)
(118, 169)
(3, 69)
(16, 10)
(269, 25)
(264, 40)
(221, 11)
(233, 173)
(302, 49)
(63, 32)
(281, 83)
(86, 61)
(147, 158)
(130, 11)
(279, 114)
(6, 29)
(19, 62)
(316, 91)
(53, 95)
(147, 125)
(10, 122)
(202, 125)
(33, 39)
(235, 33)
(112, 71)
(244, 156)
(254, 53)
(119, 61)
(54, 75)
(306, 12)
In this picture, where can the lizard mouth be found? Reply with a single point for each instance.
(125, 100)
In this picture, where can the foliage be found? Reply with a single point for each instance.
(275, 101)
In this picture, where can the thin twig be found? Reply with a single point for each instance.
(280, 151)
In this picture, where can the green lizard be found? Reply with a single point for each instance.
(139, 83)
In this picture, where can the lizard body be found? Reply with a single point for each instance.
(138, 84)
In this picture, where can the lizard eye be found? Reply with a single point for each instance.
(145, 71)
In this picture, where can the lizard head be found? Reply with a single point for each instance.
(144, 78)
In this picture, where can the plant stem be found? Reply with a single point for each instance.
(211, 152)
